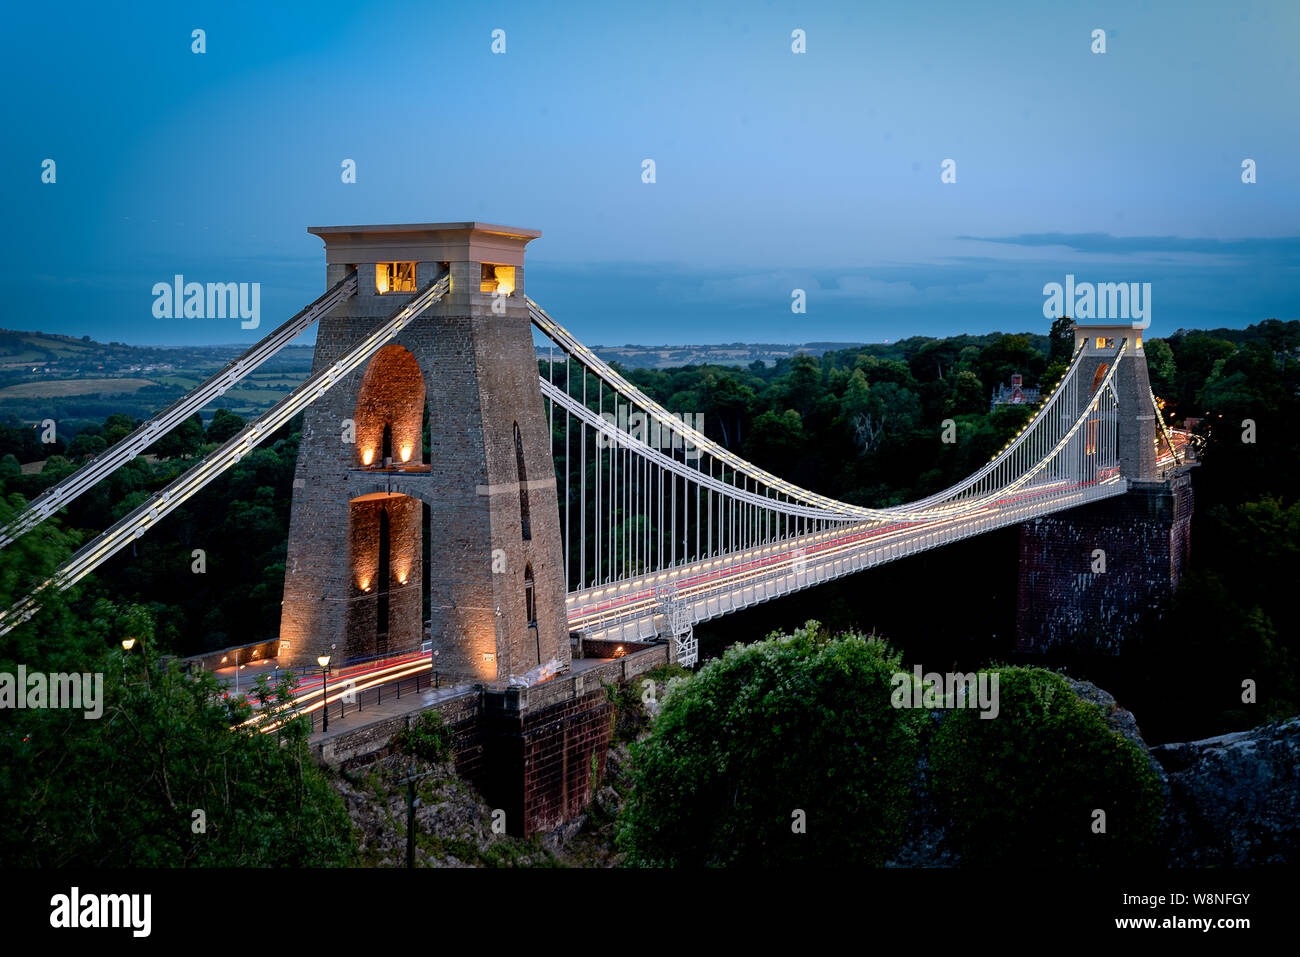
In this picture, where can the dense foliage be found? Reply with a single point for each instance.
(1023, 788)
(783, 751)
(428, 737)
(122, 789)
(864, 425)
(240, 524)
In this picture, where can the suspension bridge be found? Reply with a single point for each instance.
(635, 526)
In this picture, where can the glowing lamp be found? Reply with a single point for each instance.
(323, 661)
(367, 456)
(406, 453)
(129, 643)
(505, 279)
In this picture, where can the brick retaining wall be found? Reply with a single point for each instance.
(536, 752)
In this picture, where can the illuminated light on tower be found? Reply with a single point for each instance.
(406, 453)
(367, 456)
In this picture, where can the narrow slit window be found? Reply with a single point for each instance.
(530, 596)
(523, 485)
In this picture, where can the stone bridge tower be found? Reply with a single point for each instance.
(1137, 427)
(1141, 540)
(425, 479)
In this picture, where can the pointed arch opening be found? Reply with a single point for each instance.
(530, 609)
(1097, 379)
(530, 596)
(389, 413)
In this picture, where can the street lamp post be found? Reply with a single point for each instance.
(324, 662)
(127, 644)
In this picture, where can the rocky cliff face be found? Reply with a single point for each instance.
(1230, 801)
(1235, 798)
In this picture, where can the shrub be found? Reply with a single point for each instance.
(428, 737)
(1022, 788)
(794, 723)
(630, 716)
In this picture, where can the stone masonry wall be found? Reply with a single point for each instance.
(1146, 537)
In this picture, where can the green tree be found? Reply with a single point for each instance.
(967, 396)
(801, 388)
(86, 445)
(1161, 367)
(121, 789)
(1195, 355)
(1022, 789)
(794, 730)
(225, 425)
(184, 440)
(731, 401)
(1007, 355)
(1060, 338)
(117, 427)
(775, 438)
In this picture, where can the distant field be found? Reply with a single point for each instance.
(63, 387)
(59, 346)
(186, 382)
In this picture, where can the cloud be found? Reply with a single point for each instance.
(1278, 247)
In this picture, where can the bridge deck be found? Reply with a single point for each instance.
(634, 609)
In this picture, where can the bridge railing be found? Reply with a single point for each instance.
(349, 695)
(748, 578)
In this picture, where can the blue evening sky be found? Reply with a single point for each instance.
(775, 170)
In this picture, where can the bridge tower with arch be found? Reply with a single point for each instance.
(425, 489)
(1092, 576)
(1137, 435)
